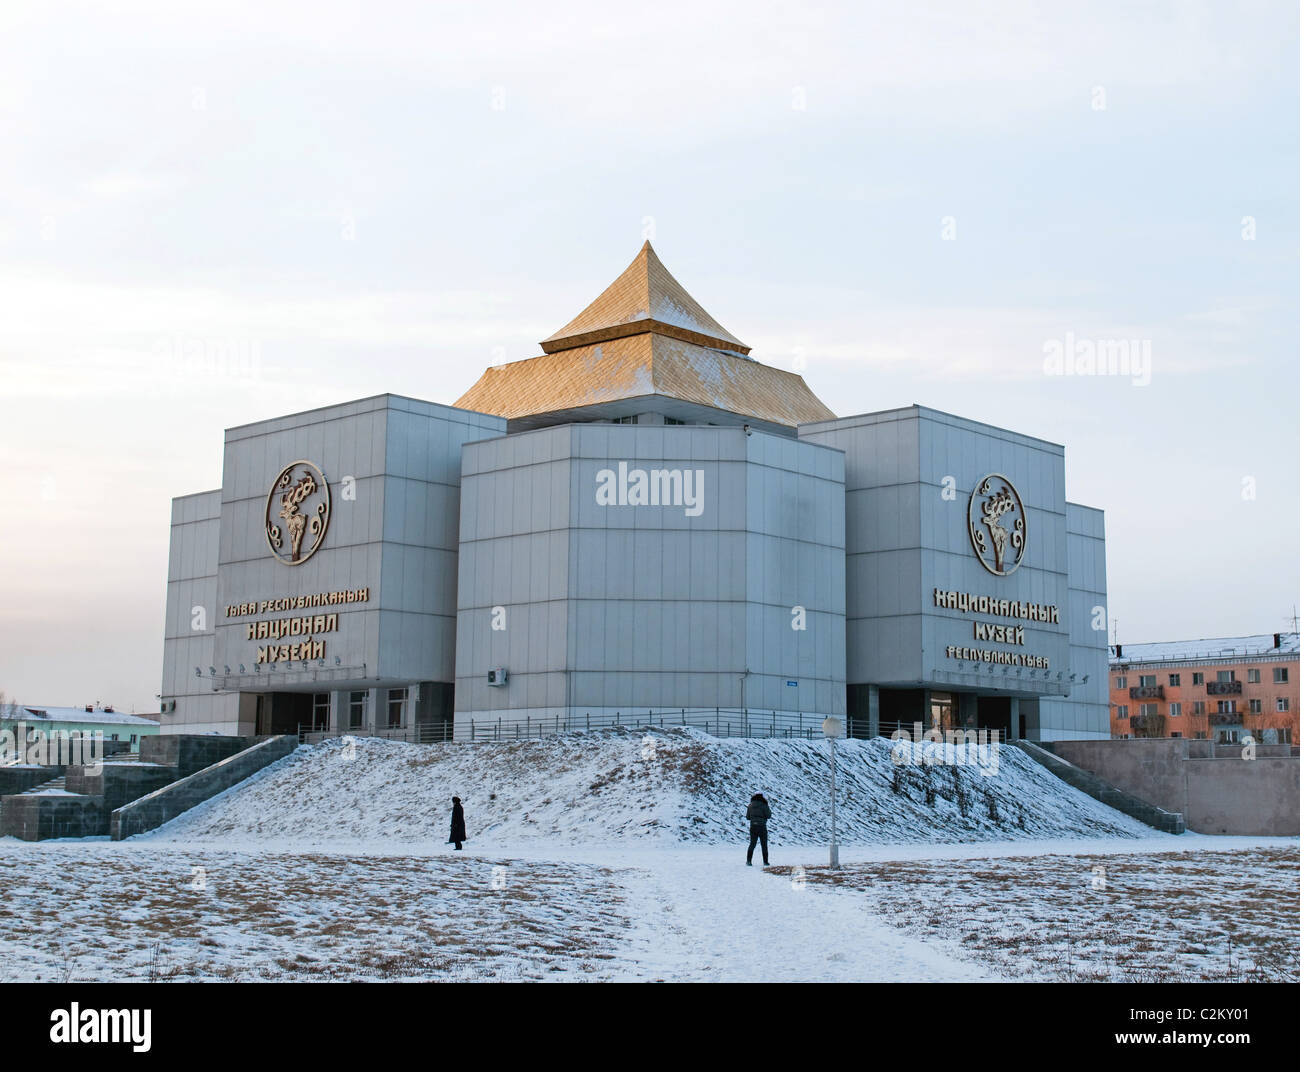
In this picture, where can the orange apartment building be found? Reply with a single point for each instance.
(1221, 690)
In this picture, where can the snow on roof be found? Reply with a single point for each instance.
(76, 714)
(1213, 648)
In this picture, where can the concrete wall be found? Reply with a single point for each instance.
(187, 754)
(116, 784)
(882, 534)
(18, 779)
(393, 468)
(1222, 795)
(909, 474)
(163, 805)
(189, 630)
(1085, 713)
(36, 818)
(610, 608)
(1233, 796)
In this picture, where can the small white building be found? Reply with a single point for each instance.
(79, 722)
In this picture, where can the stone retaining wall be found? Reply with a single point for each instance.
(167, 803)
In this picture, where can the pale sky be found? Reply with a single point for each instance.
(212, 214)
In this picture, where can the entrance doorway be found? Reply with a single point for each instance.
(994, 713)
(941, 711)
(286, 712)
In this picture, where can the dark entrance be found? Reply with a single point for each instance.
(902, 707)
(994, 713)
(285, 712)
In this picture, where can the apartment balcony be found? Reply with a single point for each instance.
(1146, 692)
(1225, 718)
(1223, 688)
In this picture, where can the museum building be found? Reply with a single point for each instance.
(642, 522)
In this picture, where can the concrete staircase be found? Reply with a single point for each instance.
(61, 782)
(130, 792)
(1086, 782)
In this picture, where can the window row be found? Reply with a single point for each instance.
(1281, 704)
(1148, 681)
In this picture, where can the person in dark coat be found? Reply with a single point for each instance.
(457, 823)
(758, 813)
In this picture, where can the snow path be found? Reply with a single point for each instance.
(706, 917)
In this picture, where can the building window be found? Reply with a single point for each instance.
(1226, 675)
(1122, 711)
(357, 709)
(1227, 736)
(1148, 709)
(320, 712)
(1198, 736)
(133, 736)
(1175, 735)
(1256, 707)
(396, 708)
(1283, 703)
(1147, 681)
(1280, 675)
(1121, 682)
(1252, 677)
(626, 420)
(1198, 678)
(1284, 736)
(1175, 710)
(1198, 707)
(1227, 707)
(672, 420)
(1175, 680)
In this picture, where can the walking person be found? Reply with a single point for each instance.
(758, 813)
(457, 823)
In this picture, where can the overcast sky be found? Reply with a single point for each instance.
(214, 214)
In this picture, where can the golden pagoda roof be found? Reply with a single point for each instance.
(644, 298)
(644, 337)
(639, 366)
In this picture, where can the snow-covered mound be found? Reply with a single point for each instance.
(676, 785)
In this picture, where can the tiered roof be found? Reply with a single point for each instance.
(646, 338)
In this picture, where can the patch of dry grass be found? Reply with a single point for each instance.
(308, 916)
(1191, 916)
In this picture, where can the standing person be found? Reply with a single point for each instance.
(758, 813)
(457, 823)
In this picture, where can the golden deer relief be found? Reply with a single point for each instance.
(992, 509)
(293, 495)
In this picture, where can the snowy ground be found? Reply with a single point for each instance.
(1222, 914)
(977, 912)
(604, 857)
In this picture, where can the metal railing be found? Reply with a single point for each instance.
(421, 733)
(716, 721)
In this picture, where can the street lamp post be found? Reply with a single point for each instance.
(832, 728)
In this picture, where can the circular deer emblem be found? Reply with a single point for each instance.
(297, 512)
(996, 520)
